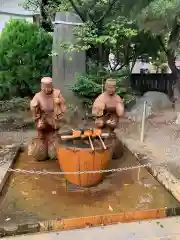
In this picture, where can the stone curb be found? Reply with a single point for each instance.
(15, 229)
(84, 222)
(161, 174)
(9, 158)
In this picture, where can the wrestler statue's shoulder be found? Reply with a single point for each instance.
(118, 98)
(35, 100)
(37, 95)
(101, 96)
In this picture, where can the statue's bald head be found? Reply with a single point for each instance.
(110, 86)
(46, 80)
(110, 82)
(46, 85)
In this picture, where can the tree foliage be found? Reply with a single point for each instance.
(162, 19)
(24, 58)
(128, 28)
(89, 86)
(107, 28)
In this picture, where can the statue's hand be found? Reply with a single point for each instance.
(40, 124)
(59, 116)
(98, 113)
(99, 123)
(36, 117)
(111, 123)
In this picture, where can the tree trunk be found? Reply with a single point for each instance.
(45, 22)
(176, 83)
(174, 70)
(173, 44)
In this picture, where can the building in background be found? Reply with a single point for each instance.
(14, 9)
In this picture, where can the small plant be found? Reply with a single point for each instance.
(89, 86)
(15, 104)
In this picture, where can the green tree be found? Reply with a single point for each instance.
(24, 58)
(106, 28)
(162, 19)
(46, 9)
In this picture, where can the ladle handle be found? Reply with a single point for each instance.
(102, 142)
(69, 137)
(90, 141)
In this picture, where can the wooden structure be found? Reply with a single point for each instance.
(153, 82)
(66, 65)
(80, 155)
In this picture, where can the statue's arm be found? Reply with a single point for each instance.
(98, 106)
(35, 108)
(60, 106)
(119, 106)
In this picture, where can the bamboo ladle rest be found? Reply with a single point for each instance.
(79, 134)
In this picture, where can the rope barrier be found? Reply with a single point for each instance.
(33, 172)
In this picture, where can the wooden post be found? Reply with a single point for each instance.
(143, 123)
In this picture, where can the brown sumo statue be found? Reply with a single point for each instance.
(108, 107)
(48, 107)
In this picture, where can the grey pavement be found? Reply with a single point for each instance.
(165, 229)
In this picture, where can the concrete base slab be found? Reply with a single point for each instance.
(168, 229)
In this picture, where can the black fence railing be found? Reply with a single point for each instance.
(153, 82)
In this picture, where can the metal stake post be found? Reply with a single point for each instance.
(143, 123)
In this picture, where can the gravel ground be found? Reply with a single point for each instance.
(13, 137)
(162, 138)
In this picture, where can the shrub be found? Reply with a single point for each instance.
(15, 105)
(24, 58)
(89, 86)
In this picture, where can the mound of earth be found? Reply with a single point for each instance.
(155, 101)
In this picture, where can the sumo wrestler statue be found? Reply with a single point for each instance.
(47, 107)
(108, 107)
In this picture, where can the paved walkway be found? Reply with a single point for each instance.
(165, 229)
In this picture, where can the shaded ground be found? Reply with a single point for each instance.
(45, 197)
